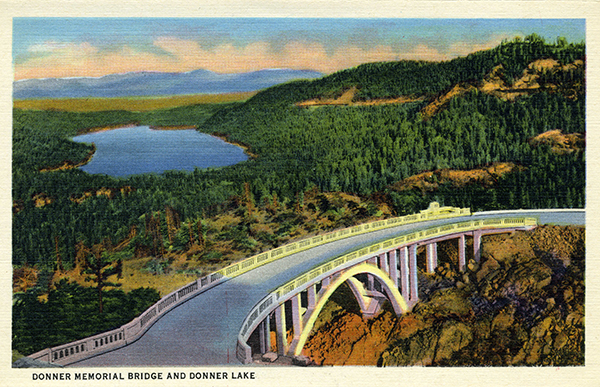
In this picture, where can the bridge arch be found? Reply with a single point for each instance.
(393, 295)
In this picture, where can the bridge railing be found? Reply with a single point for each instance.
(260, 311)
(95, 345)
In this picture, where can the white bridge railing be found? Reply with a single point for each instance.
(263, 308)
(104, 342)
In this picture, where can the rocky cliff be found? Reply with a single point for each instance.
(524, 305)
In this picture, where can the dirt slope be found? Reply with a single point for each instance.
(560, 143)
(431, 180)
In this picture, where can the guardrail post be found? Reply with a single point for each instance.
(393, 267)
(462, 260)
(281, 329)
(431, 257)
(413, 273)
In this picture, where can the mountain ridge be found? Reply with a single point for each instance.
(151, 83)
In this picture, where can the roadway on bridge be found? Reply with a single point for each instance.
(203, 330)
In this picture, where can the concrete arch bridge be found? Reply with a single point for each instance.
(379, 272)
(227, 316)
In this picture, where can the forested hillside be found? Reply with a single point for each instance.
(61, 218)
(363, 149)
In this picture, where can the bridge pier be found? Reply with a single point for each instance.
(370, 282)
(312, 296)
(404, 270)
(296, 315)
(281, 332)
(431, 249)
(383, 263)
(477, 245)
(462, 259)
(393, 266)
(413, 275)
(264, 334)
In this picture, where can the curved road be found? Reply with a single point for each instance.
(203, 330)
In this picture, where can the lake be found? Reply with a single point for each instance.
(139, 149)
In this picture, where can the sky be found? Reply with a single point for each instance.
(94, 47)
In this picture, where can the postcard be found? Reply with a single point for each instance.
(267, 193)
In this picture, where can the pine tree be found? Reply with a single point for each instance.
(100, 264)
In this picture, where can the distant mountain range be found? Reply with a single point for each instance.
(156, 83)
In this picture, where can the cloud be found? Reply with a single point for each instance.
(465, 48)
(423, 52)
(57, 59)
(62, 48)
(295, 55)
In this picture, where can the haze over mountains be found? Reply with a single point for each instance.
(156, 83)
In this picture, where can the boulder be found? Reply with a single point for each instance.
(301, 361)
(504, 320)
(561, 340)
(446, 302)
(487, 268)
(416, 350)
(269, 357)
(453, 337)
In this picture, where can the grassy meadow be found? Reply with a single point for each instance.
(134, 104)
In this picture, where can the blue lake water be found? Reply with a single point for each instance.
(136, 150)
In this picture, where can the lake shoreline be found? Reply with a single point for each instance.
(197, 153)
(68, 164)
(174, 127)
(245, 147)
(98, 129)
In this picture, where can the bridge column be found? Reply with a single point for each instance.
(431, 257)
(281, 329)
(383, 263)
(370, 282)
(477, 245)
(372, 261)
(312, 296)
(462, 260)
(296, 316)
(265, 335)
(393, 267)
(404, 273)
(413, 274)
(325, 282)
